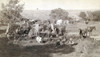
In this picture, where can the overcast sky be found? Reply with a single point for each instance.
(65, 4)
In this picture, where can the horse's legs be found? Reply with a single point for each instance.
(90, 33)
(86, 34)
(8, 37)
(80, 36)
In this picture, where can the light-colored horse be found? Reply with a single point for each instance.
(66, 22)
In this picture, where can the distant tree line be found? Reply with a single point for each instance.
(96, 14)
(59, 14)
(91, 16)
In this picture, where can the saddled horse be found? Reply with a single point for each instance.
(90, 29)
(87, 31)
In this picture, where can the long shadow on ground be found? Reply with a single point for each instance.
(35, 51)
(2, 31)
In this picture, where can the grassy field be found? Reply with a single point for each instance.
(73, 28)
(50, 50)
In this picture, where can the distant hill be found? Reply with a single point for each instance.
(44, 14)
(36, 14)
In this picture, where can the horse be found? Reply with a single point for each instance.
(66, 22)
(90, 29)
(87, 31)
(31, 33)
(36, 31)
(60, 30)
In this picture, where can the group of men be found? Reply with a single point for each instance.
(37, 28)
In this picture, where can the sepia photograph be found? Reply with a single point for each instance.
(49, 28)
